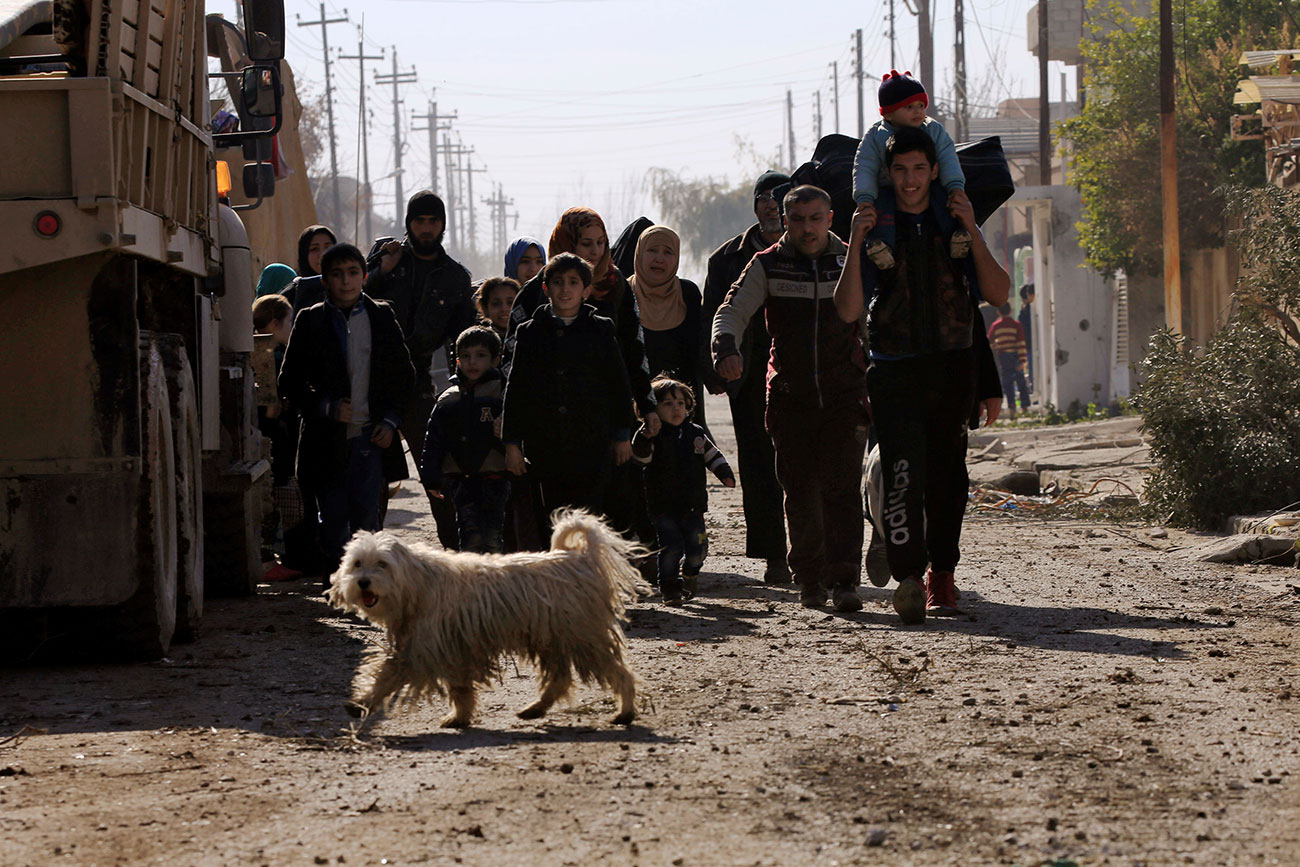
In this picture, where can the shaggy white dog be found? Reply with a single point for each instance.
(452, 618)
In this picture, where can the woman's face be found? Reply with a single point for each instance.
(591, 244)
(658, 263)
(320, 242)
(530, 265)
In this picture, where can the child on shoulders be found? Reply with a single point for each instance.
(903, 102)
(675, 460)
(464, 459)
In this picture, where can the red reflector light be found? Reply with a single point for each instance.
(47, 224)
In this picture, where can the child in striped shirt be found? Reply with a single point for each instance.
(674, 460)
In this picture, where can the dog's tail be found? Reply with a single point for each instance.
(580, 531)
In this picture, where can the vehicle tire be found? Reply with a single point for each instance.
(188, 450)
(145, 623)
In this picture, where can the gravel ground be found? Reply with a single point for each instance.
(1100, 701)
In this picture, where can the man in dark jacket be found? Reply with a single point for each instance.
(760, 490)
(348, 371)
(431, 296)
(816, 394)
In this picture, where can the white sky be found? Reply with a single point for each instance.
(571, 101)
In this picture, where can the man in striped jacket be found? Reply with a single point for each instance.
(1007, 338)
(816, 394)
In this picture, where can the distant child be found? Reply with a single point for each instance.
(1008, 341)
(568, 407)
(675, 460)
(278, 423)
(348, 371)
(494, 299)
(463, 455)
(903, 101)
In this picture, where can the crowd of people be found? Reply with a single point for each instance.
(566, 382)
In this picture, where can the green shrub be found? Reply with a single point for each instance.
(1224, 425)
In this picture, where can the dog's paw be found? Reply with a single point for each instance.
(454, 721)
(536, 710)
(625, 718)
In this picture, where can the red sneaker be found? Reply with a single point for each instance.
(941, 593)
(280, 572)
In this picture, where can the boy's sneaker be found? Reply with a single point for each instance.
(846, 599)
(941, 594)
(673, 597)
(689, 585)
(877, 560)
(909, 601)
(959, 246)
(881, 256)
(777, 572)
(812, 596)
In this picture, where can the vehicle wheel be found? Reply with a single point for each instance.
(188, 450)
(146, 622)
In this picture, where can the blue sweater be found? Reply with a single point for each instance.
(870, 174)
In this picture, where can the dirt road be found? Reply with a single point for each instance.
(1101, 702)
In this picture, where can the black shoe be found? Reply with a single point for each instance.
(877, 560)
(690, 583)
(812, 597)
(846, 599)
(777, 572)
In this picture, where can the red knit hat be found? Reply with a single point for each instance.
(897, 89)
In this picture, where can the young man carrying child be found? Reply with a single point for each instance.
(347, 370)
(922, 375)
(675, 460)
(568, 405)
(903, 101)
(463, 455)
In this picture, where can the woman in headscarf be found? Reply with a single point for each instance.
(274, 278)
(307, 288)
(670, 310)
(525, 258)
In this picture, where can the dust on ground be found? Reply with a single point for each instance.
(1101, 701)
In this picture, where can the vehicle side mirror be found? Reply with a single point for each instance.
(264, 26)
(259, 181)
(259, 91)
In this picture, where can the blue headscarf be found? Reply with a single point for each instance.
(275, 278)
(515, 252)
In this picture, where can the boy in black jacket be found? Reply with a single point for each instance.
(674, 460)
(347, 370)
(568, 406)
(463, 455)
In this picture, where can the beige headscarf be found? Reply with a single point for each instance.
(662, 306)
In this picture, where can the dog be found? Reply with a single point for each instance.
(451, 618)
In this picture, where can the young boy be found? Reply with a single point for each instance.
(463, 455)
(568, 405)
(674, 460)
(347, 370)
(1008, 341)
(903, 101)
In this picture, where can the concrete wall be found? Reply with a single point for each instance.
(1074, 308)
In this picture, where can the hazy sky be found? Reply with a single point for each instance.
(571, 101)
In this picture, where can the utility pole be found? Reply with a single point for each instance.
(893, 38)
(1044, 102)
(453, 153)
(433, 127)
(361, 57)
(397, 78)
(323, 24)
(925, 43)
(789, 124)
(1169, 174)
(859, 75)
(470, 171)
(818, 116)
(960, 106)
(498, 204)
(835, 71)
